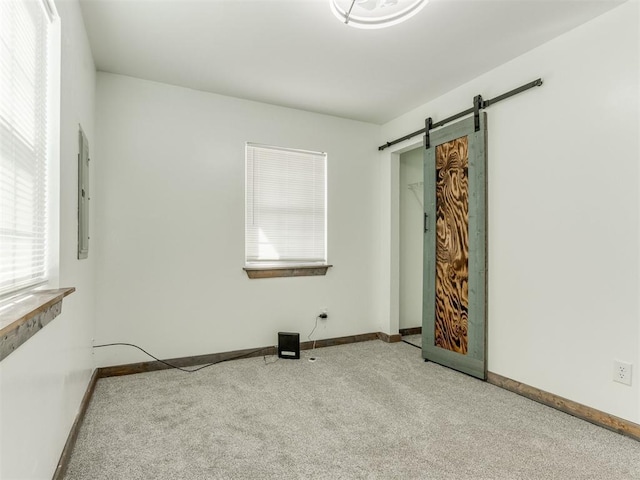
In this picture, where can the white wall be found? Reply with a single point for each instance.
(563, 211)
(636, 367)
(411, 236)
(170, 249)
(42, 382)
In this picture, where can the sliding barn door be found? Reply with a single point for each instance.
(454, 303)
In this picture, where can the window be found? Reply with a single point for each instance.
(286, 200)
(25, 105)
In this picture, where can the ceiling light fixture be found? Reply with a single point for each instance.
(375, 13)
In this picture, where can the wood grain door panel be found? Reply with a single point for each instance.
(454, 304)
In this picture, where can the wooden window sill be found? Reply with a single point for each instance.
(290, 271)
(23, 316)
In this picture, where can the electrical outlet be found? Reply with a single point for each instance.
(324, 313)
(622, 372)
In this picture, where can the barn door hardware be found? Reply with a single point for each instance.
(478, 104)
(428, 125)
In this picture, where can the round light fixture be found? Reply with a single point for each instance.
(375, 13)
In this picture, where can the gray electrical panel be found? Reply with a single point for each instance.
(83, 195)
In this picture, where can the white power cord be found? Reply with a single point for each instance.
(312, 358)
(264, 357)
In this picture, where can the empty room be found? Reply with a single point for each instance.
(325, 239)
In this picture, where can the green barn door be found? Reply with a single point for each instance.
(454, 302)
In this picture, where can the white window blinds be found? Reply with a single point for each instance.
(285, 220)
(24, 79)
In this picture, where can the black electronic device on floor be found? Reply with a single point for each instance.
(288, 345)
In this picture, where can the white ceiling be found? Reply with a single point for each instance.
(295, 53)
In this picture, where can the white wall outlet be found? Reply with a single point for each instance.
(325, 311)
(622, 372)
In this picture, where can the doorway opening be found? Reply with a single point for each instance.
(411, 212)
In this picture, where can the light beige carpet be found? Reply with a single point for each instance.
(370, 410)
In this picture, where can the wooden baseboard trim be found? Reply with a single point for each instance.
(610, 422)
(183, 362)
(411, 331)
(389, 338)
(63, 463)
(332, 342)
(133, 368)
